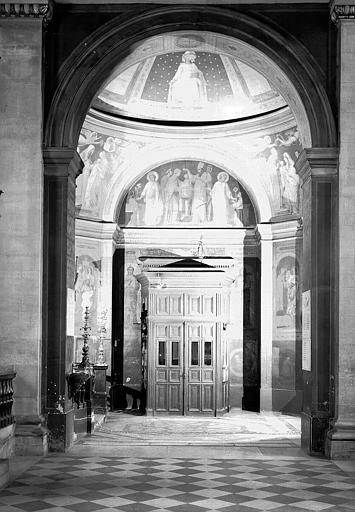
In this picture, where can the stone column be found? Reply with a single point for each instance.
(342, 436)
(107, 248)
(21, 210)
(61, 167)
(317, 168)
(266, 315)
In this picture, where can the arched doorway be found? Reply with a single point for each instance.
(310, 128)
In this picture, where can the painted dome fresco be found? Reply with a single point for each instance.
(190, 76)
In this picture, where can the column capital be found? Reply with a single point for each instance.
(62, 162)
(28, 9)
(95, 229)
(341, 11)
(280, 230)
(317, 162)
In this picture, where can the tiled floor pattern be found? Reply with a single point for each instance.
(129, 484)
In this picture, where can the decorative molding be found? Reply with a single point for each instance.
(96, 230)
(342, 12)
(62, 162)
(27, 10)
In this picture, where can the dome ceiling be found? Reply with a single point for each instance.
(189, 76)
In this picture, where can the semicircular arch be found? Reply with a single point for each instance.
(162, 153)
(87, 69)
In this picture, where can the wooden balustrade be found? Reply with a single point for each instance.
(6, 399)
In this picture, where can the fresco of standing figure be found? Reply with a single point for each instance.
(186, 190)
(152, 198)
(221, 200)
(171, 198)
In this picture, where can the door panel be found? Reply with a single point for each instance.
(168, 368)
(184, 367)
(200, 367)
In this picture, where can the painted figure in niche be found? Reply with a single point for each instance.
(274, 177)
(207, 177)
(82, 180)
(200, 195)
(291, 185)
(152, 199)
(237, 203)
(286, 291)
(135, 207)
(186, 190)
(188, 87)
(131, 209)
(221, 197)
(131, 297)
(290, 279)
(163, 183)
(171, 199)
(94, 189)
(86, 283)
(281, 294)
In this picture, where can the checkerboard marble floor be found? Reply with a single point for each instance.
(76, 483)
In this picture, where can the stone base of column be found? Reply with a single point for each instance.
(60, 430)
(31, 437)
(340, 442)
(314, 429)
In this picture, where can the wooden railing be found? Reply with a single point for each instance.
(6, 399)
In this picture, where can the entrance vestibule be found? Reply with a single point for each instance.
(259, 168)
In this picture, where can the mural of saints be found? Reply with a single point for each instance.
(187, 193)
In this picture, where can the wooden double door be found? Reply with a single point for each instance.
(184, 367)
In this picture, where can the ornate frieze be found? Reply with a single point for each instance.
(28, 9)
(342, 12)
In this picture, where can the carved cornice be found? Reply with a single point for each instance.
(62, 162)
(317, 163)
(342, 12)
(43, 9)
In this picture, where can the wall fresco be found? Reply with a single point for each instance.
(187, 193)
(276, 156)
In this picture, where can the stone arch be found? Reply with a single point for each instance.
(91, 63)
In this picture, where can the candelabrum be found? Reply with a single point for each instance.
(85, 362)
(102, 331)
